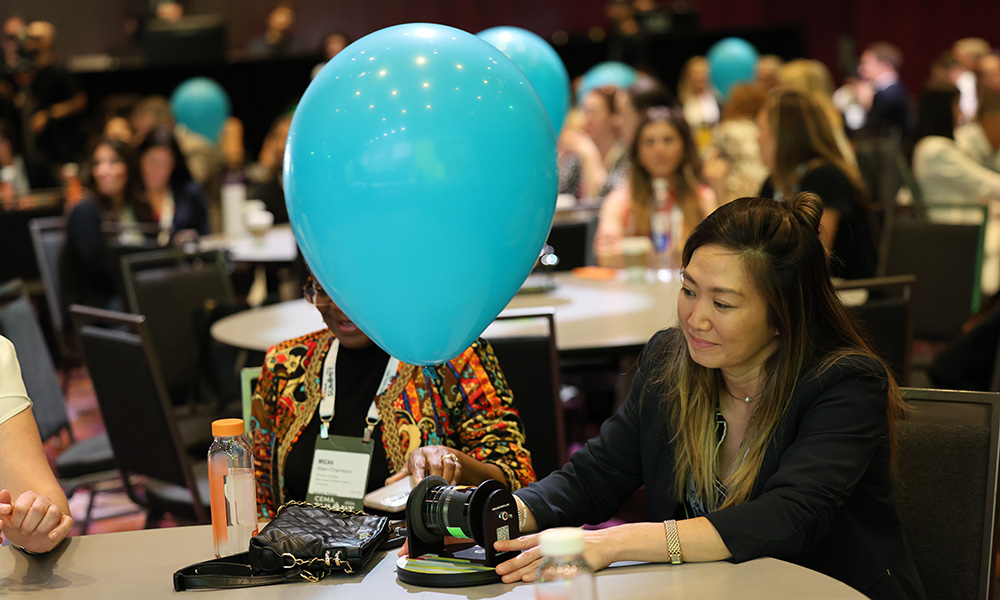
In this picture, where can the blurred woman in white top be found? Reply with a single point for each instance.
(34, 513)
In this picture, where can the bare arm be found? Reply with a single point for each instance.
(34, 513)
(611, 228)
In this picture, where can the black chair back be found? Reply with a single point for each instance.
(135, 407)
(573, 241)
(530, 364)
(48, 236)
(946, 489)
(887, 316)
(15, 240)
(19, 324)
(174, 289)
(947, 261)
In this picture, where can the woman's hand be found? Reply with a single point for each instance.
(33, 522)
(524, 566)
(433, 460)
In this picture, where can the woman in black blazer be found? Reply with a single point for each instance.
(762, 425)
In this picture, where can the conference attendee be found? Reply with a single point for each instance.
(811, 77)
(732, 163)
(666, 173)
(947, 175)
(766, 71)
(801, 153)
(87, 275)
(761, 425)
(694, 90)
(265, 177)
(278, 38)
(887, 104)
(456, 419)
(330, 46)
(16, 170)
(967, 52)
(592, 158)
(980, 139)
(34, 513)
(178, 202)
(57, 101)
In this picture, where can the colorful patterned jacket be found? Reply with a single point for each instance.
(469, 408)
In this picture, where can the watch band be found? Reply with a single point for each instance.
(673, 542)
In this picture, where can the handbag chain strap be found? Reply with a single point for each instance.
(342, 511)
(326, 560)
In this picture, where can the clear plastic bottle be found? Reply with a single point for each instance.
(232, 488)
(563, 574)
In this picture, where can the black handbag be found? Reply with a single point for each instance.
(303, 540)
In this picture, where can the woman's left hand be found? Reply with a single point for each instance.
(524, 566)
(433, 460)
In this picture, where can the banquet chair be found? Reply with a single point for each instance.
(887, 316)
(48, 237)
(947, 261)
(946, 489)
(175, 289)
(139, 417)
(530, 364)
(81, 464)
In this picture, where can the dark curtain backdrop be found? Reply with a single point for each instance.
(833, 29)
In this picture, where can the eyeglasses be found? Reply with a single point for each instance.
(314, 293)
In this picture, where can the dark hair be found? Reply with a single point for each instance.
(648, 92)
(935, 111)
(135, 197)
(786, 263)
(163, 137)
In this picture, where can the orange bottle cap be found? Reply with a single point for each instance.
(228, 427)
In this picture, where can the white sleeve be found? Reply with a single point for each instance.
(13, 396)
(939, 163)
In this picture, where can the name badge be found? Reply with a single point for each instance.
(339, 475)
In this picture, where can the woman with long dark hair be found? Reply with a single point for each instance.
(178, 202)
(762, 424)
(116, 199)
(666, 172)
(798, 147)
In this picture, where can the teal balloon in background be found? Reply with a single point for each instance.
(201, 105)
(420, 177)
(732, 60)
(614, 73)
(540, 63)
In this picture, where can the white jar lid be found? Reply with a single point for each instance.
(562, 541)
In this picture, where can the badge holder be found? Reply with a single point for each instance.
(480, 515)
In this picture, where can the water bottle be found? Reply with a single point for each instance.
(232, 488)
(563, 574)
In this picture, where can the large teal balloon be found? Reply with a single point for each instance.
(613, 73)
(420, 178)
(540, 63)
(201, 105)
(732, 60)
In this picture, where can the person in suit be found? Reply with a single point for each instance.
(762, 424)
(886, 100)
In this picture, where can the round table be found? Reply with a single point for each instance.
(590, 314)
(276, 245)
(140, 564)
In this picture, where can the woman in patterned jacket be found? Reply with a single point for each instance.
(456, 420)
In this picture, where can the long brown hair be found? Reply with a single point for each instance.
(784, 258)
(803, 138)
(134, 193)
(685, 180)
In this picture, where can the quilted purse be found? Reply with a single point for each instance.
(303, 540)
